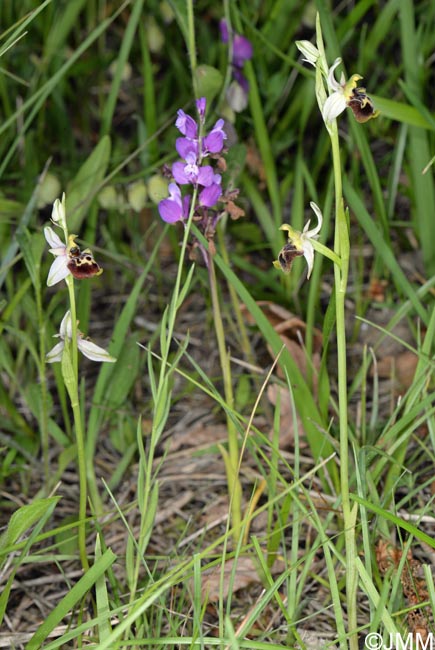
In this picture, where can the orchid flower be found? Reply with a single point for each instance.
(346, 94)
(299, 243)
(86, 347)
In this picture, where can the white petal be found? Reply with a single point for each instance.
(94, 352)
(53, 239)
(55, 353)
(65, 329)
(58, 212)
(334, 105)
(58, 270)
(309, 256)
(315, 231)
(332, 83)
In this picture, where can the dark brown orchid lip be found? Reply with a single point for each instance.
(362, 106)
(287, 254)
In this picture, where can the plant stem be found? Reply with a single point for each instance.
(73, 391)
(341, 248)
(232, 457)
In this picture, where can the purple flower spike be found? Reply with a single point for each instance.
(242, 50)
(201, 105)
(214, 141)
(171, 209)
(209, 195)
(186, 124)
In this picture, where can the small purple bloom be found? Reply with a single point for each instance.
(201, 105)
(172, 208)
(190, 172)
(214, 141)
(224, 30)
(186, 124)
(184, 173)
(209, 195)
(241, 80)
(242, 50)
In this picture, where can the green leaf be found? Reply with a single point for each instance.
(86, 184)
(123, 378)
(24, 518)
(208, 81)
(73, 597)
(32, 247)
(400, 112)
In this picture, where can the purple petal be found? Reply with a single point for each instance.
(179, 173)
(186, 124)
(186, 205)
(214, 141)
(242, 50)
(201, 105)
(185, 146)
(170, 211)
(205, 176)
(224, 30)
(209, 195)
(241, 80)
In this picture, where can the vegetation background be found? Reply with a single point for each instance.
(89, 92)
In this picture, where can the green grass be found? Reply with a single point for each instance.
(89, 94)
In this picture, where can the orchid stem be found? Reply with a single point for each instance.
(73, 391)
(341, 248)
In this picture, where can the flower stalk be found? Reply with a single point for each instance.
(198, 150)
(69, 263)
(340, 95)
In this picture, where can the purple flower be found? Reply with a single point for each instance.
(190, 172)
(241, 80)
(237, 93)
(242, 50)
(209, 196)
(224, 30)
(185, 147)
(242, 47)
(186, 124)
(214, 141)
(174, 207)
(201, 105)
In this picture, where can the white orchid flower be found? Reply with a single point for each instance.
(86, 347)
(300, 243)
(346, 94)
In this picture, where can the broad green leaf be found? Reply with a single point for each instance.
(24, 518)
(208, 82)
